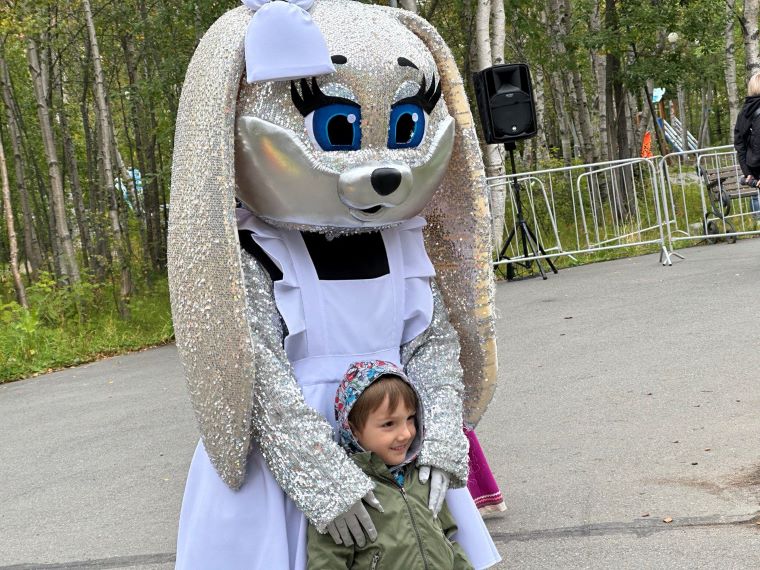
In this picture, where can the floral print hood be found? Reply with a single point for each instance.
(357, 378)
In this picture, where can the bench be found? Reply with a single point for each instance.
(723, 185)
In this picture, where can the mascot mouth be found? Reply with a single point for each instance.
(368, 214)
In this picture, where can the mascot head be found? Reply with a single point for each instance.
(360, 148)
(355, 123)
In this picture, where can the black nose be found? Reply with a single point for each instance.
(385, 180)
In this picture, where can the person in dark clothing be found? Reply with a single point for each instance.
(747, 140)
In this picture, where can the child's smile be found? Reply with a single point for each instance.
(389, 433)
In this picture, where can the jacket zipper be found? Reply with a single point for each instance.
(375, 560)
(414, 526)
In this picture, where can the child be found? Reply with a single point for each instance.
(381, 426)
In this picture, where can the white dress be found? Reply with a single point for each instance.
(258, 527)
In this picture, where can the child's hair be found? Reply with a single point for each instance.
(753, 87)
(374, 395)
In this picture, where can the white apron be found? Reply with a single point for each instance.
(331, 324)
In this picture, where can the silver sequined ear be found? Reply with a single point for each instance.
(458, 231)
(205, 271)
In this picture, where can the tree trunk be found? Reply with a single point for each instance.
(575, 85)
(560, 112)
(704, 126)
(145, 143)
(158, 169)
(18, 284)
(101, 256)
(65, 246)
(495, 152)
(616, 117)
(498, 32)
(539, 142)
(730, 64)
(683, 111)
(38, 201)
(624, 150)
(127, 179)
(492, 156)
(590, 153)
(611, 70)
(751, 36)
(563, 92)
(631, 112)
(599, 64)
(410, 5)
(73, 170)
(616, 90)
(119, 250)
(32, 250)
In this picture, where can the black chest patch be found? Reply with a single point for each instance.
(359, 256)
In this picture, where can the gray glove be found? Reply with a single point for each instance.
(439, 484)
(351, 525)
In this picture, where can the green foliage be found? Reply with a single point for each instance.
(66, 327)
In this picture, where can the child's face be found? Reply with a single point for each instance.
(389, 433)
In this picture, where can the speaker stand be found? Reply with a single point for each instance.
(526, 236)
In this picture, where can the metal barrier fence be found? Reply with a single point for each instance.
(583, 209)
(697, 189)
(659, 201)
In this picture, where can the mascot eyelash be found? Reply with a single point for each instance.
(333, 123)
(311, 98)
(425, 98)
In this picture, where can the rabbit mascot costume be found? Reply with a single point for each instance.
(328, 206)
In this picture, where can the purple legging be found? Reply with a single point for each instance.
(481, 483)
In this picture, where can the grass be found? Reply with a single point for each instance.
(71, 326)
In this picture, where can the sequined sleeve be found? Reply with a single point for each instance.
(295, 440)
(431, 360)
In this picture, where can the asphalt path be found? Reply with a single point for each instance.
(629, 395)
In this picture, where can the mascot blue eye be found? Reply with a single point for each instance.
(336, 126)
(407, 126)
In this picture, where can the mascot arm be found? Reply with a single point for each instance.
(295, 440)
(431, 360)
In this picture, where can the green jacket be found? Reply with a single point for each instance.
(408, 537)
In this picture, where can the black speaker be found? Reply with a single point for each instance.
(505, 102)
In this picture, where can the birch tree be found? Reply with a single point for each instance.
(732, 92)
(32, 250)
(10, 225)
(751, 36)
(599, 64)
(494, 162)
(73, 168)
(704, 125)
(65, 247)
(539, 146)
(119, 249)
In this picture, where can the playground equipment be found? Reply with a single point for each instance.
(674, 134)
